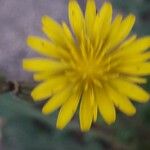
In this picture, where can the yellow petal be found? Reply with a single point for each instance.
(67, 33)
(144, 56)
(41, 76)
(139, 69)
(109, 44)
(136, 79)
(135, 58)
(120, 51)
(42, 46)
(128, 41)
(75, 17)
(52, 29)
(123, 30)
(90, 15)
(105, 13)
(114, 27)
(57, 100)
(135, 47)
(117, 54)
(41, 64)
(86, 112)
(131, 90)
(70, 43)
(105, 106)
(67, 110)
(48, 87)
(95, 113)
(102, 23)
(140, 45)
(121, 101)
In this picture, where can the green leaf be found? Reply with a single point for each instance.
(25, 128)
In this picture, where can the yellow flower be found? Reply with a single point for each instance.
(100, 66)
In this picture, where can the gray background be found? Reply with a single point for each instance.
(18, 19)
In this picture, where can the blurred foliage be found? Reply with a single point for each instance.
(23, 127)
(141, 9)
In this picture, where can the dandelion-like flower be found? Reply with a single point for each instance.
(98, 66)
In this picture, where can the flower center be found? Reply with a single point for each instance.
(87, 69)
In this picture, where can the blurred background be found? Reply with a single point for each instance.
(22, 126)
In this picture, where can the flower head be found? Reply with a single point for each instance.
(98, 66)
